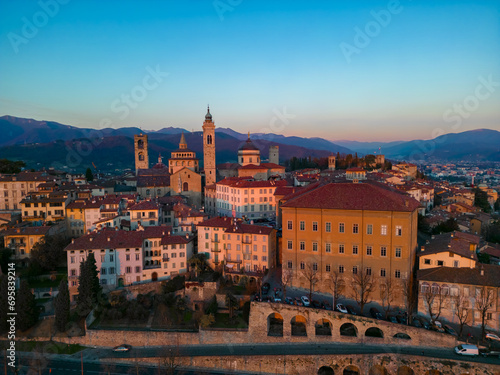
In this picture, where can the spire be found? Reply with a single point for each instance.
(160, 159)
(208, 116)
(182, 143)
(248, 135)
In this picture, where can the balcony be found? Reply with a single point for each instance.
(215, 240)
(246, 240)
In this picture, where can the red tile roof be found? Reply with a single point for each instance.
(352, 196)
(26, 231)
(235, 226)
(243, 183)
(144, 205)
(464, 276)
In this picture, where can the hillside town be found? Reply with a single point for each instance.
(365, 236)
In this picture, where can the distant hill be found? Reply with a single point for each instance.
(367, 147)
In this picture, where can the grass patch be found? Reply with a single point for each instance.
(47, 347)
(223, 321)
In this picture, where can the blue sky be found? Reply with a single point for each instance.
(263, 66)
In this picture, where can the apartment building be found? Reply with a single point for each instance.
(236, 245)
(145, 213)
(13, 188)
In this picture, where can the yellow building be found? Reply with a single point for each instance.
(22, 240)
(454, 249)
(13, 188)
(348, 228)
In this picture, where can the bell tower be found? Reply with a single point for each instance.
(209, 149)
(141, 152)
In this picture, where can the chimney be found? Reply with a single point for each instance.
(482, 271)
(72, 240)
(187, 236)
(422, 248)
(451, 234)
(90, 239)
(109, 239)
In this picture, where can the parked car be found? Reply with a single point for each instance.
(305, 301)
(375, 313)
(350, 309)
(316, 304)
(492, 336)
(466, 349)
(341, 308)
(297, 301)
(416, 323)
(438, 323)
(277, 299)
(289, 300)
(489, 353)
(122, 348)
(450, 330)
(265, 288)
(437, 328)
(326, 305)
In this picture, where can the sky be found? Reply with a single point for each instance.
(356, 70)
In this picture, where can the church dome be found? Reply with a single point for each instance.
(248, 145)
(208, 116)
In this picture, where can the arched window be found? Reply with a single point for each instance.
(209, 139)
(424, 288)
(141, 156)
(435, 288)
(140, 144)
(185, 186)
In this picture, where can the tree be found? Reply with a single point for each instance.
(10, 167)
(410, 295)
(336, 284)
(88, 175)
(286, 280)
(363, 285)
(310, 273)
(5, 256)
(461, 304)
(435, 300)
(231, 304)
(207, 320)
(388, 293)
(484, 302)
(27, 312)
(447, 226)
(49, 252)
(62, 306)
(89, 289)
(198, 263)
(496, 206)
(481, 200)
(170, 360)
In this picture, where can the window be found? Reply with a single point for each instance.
(264, 248)
(368, 250)
(341, 248)
(341, 268)
(127, 257)
(315, 226)
(328, 268)
(302, 245)
(73, 272)
(383, 251)
(328, 248)
(397, 274)
(302, 225)
(355, 228)
(382, 272)
(341, 228)
(137, 269)
(440, 263)
(328, 227)
(398, 252)
(137, 256)
(315, 246)
(302, 265)
(103, 271)
(73, 260)
(489, 316)
(369, 229)
(456, 264)
(315, 266)
(289, 245)
(264, 258)
(355, 270)
(290, 264)
(255, 257)
(427, 261)
(368, 271)
(289, 225)
(399, 230)
(112, 270)
(383, 230)
(424, 288)
(111, 258)
(128, 270)
(355, 249)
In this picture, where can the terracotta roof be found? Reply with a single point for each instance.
(456, 242)
(26, 176)
(84, 204)
(252, 166)
(272, 166)
(157, 231)
(235, 226)
(352, 196)
(465, 276)
(26, 231)
(492, 250)
(107, 239)
(144, 205)
(153, 181)
(242, 183)
(175, 239)
(183, 210)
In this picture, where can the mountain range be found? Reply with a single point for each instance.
(48, 143)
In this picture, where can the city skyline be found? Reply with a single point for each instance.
(370, 71)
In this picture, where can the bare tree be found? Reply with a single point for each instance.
(363, 285)
(388, 293)
(484, 302)
(286, 280)
(336, 284)
(435, 300)
(461, 303)
(410, 296)
(311, 275)
(170, 360)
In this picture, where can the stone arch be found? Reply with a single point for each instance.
(405, 370)
(351, 370)
(275, 325)
(323, 327)
(325, 370)
(378, 370)
(401, 335)
(348, 329)
(374, 332)
(298, 325)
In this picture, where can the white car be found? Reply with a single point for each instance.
(492, 336)
(342, 308)
(305, 301)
